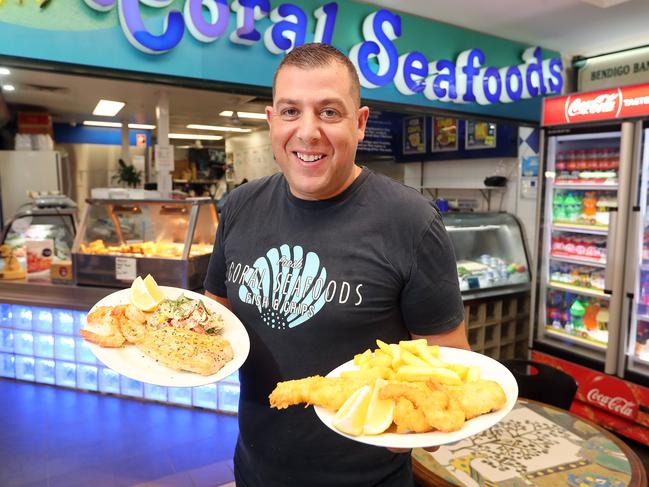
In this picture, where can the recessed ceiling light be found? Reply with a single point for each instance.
(216, 128)
(4, 71)
(195, 137)
(604, 3)
(108, 108)
(255, 116)
(8, 88)
(96, 123)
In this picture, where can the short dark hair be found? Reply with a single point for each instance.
(317, 55)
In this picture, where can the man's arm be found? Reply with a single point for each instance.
(455, 338)
(224, 301)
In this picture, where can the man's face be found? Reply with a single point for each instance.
(315, 127)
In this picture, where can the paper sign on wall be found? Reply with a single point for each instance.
(125, 268)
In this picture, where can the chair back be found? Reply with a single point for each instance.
(543, 383)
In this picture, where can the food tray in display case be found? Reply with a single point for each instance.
(490, 253)
(121, 239)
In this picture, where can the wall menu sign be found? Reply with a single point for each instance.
(378, 134)
(243, 41)
(445, 137)
(480, 135)
(618, 103)
(414, 135)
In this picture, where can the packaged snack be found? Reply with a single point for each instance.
(39, 258)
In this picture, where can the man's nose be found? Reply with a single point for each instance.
(309, 129)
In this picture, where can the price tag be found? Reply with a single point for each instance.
(125, 268)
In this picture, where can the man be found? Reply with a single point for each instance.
(319, 261)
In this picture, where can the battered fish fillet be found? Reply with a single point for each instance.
(478, 397)
(328, 392)
(184, 349)
(441, 410)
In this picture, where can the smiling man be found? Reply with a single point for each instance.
(319, 261)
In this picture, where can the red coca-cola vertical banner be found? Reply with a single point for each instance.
(593, 106)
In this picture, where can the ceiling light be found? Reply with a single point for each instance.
(141, 126)
(217, 128)
(95, 123)
(8, 88)
(108, 108)
(195, 137)
(4, 71)
(255, 116)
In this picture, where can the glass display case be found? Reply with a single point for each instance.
(490, 252)
(54, 225)
(121, 239)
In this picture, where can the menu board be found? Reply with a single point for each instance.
(480, 135)
(414, 135)
(378, 134)
(444, 134)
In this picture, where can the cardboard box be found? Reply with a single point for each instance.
(61, 272)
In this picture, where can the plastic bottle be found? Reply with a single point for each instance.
(602, 319)
(570, 203)
(577, 312)
(590, 316)
(589, 208)
(558, 207)
(601, 215)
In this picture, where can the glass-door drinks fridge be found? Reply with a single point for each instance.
(591, 294)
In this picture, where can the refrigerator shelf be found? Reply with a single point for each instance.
(596, 344)
(579, 260)
(580, 228)
(642, 317)
(578, 289)
(587, 186)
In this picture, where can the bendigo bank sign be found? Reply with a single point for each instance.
(468, 79)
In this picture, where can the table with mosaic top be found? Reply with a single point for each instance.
(534, 445)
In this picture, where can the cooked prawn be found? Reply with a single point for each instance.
(102, 328)
(132, 323)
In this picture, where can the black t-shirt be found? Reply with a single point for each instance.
(316, 282)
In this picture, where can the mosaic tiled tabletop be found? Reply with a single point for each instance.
(534, 445)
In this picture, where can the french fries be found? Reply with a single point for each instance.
(410, 360)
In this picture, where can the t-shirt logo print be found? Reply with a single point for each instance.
(286, 286)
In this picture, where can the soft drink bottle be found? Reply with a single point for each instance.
(589, 207)
(558, 207)
(570, 204)
(577, 312)
(590, 316)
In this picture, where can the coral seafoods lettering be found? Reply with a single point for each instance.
(468, 79)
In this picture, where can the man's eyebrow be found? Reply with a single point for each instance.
(325, 101)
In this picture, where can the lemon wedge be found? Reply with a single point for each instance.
(380, 412)
(142, 298)
(350, 418)
(153, 288)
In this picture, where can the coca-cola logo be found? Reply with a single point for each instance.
(612, 395)
(605, 104)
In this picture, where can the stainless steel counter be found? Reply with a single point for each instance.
(52, 295)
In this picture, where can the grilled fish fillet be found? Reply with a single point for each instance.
(183, 349)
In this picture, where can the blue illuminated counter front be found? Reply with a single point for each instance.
(39, 342)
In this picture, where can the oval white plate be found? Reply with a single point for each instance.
(131, 362)
(491, 370)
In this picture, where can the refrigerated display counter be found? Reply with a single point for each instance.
(494, 275)
(121, 239)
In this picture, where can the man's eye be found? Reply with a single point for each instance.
(329, 113)
(290, 113)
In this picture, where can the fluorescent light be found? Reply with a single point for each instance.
(93, 123)
(8, 88)
(4, 71)
(256, 116)
(217, 128)
(108, 108)
(142, 126)
(195, 137)
(96, 123)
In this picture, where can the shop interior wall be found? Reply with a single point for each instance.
(251, 155)
(93, 166)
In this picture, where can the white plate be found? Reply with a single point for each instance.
(131, 362)
(491, 370)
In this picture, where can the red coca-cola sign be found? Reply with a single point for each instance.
(615, 103)
(611, 395)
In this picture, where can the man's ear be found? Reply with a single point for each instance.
(269, 115)
(363, 114)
